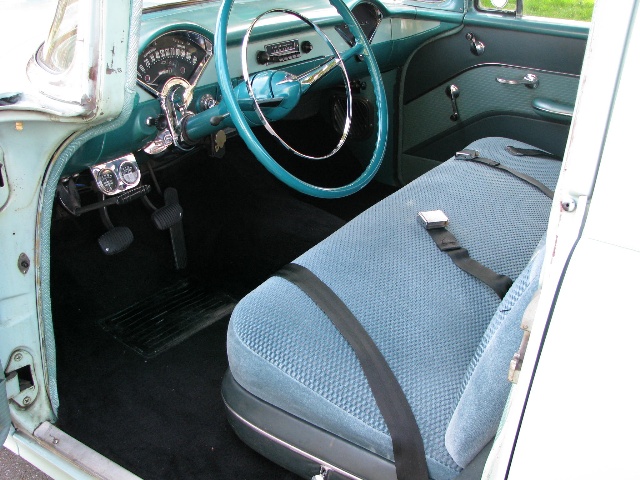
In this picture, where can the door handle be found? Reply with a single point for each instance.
(530, 81)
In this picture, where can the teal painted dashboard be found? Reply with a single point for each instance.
(403, 27)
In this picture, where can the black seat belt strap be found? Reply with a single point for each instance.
(435, 222)
(474, 156)
(530, 152)
(408, 447)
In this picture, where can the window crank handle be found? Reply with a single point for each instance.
(453, 92)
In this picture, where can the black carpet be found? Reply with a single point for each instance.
(163, 416)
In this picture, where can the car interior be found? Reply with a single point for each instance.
(375, 158)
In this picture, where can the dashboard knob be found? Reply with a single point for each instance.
(160, 122)
(306, 46)
(263, 57)
(206, 102)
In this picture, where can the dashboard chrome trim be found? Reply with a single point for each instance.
(305, 80)
(116, 167)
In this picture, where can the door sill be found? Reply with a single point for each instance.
(61, 456)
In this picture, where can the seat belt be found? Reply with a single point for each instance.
(435, 222)
(408, 447)
(530, 152)
(474, 156)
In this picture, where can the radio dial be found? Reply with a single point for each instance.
(263, 57)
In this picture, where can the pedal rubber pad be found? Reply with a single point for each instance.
(115, 240)
(167, 216)
(177, 233)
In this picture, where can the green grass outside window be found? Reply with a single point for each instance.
(567, 9)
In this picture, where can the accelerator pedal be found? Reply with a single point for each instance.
(170, 217)
(115, 240)
(167, 216)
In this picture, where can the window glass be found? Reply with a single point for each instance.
(566, 9)
(167, 3)
(58, 50)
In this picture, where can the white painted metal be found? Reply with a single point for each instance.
(580, 419)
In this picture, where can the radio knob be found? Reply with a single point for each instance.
(262, 57)
(306, 46)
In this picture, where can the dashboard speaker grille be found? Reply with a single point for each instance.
(362, 119)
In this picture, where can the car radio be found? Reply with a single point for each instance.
(282, 51)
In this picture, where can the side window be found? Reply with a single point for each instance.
(580, 10)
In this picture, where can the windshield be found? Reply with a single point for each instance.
(35, 13)
(165, 3)
(57, 51)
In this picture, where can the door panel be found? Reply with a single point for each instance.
(513, 48)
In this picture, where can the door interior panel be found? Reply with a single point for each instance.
(445, 58)
(480, 95)
(487, 107)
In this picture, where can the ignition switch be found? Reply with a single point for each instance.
(160, 122)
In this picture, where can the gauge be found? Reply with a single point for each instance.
(369, 18)
(180, 53)
(115, 176)
(107, 181)
(129, 173)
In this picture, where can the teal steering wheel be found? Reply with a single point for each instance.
(241, 123)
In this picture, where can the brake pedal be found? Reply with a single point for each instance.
(115, 240)
(170, 216)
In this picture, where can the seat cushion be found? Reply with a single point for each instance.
(426, 316)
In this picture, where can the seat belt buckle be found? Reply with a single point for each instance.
(433, 219)
(467, 154)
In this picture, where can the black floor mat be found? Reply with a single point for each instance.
(163, 417)
(168, 317)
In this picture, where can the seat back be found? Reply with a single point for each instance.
(485, 388)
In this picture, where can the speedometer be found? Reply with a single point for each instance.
(179, 53)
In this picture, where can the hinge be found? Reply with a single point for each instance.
(22, 387)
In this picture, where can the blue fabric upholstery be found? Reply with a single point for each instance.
(426, 315)
(485, 389)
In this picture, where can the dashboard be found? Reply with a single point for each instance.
(177, 78)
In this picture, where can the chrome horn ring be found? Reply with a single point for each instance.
(335, 61)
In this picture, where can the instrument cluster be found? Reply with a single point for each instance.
(180, 53)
